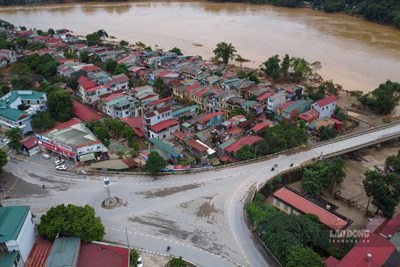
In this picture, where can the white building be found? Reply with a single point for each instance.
(118, 105)
(92, 94)
(12, 117)
(275, 101)
(326, 106)
(155, 117)
(10, 55)
(17, 233)
(118, 82)
(164, 129)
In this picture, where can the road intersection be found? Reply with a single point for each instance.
(199, 215)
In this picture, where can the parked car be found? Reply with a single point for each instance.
(84, 172)
(58, 162)
(61, 167)
(5, 141)
(139, 262)
(46, 156)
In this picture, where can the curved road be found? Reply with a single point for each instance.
(199, 215)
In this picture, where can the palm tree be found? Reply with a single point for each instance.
(224, 51)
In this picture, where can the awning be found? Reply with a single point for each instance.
(87, 157)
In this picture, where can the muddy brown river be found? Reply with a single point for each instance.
(355, 53)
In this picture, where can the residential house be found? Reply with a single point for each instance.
(195, 147)
(260, 128)
(167, 149)
(309, 116)
(117, 105)
(247, 140)
(326, 106)
(294, 93)
(91, 95)
(70, 69)
(64, 252)
(316, 124)
(99, 77)
(118, 82)
(157, 104)
(252, 106)
(210, 80)
(154, 117)
(257, 91)
(80, 47)
(10, 114)
(290, 110)
(29, 146)
(275, 100)
(9, 55)
(234, 102)
(110, 55)
(183, 114)
(84, 113)
(212, 101)
(209, 120)
(17, 235)
(164, 129)
(291, 202)
(166, 75)
(188, 90)
(136, 123)
(263, 99)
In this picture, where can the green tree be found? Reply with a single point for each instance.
(237, 111)
(285, 136)
(121, 68)
(3, 159)
(251, 76)
(176, 262)
(384, 99)
(154, 163)
(326, 133)
(271, 67)
(20, 69)
(4, 89)
(134, 256)
(301, 68)
(84, 56)
(15, 136)
(74, 220)
(93, 39)
(285, 65)
(51, 31)
(384, 191)
(59, 104)
(245, 153)
(42, 121)
(224, 51)
(110, 65)
(123, 43)
(392, 163)
(21, 82)
(303, 257)
(162, 88)
(21, 42)
(177, 51)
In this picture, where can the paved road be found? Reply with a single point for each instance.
(199, 215)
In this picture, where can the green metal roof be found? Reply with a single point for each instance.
(11, 221)
(34, 95)
(7, 260)
(227, 143)
(118, 102)
(249, 103)
(64, 252)
(12, 114)
(183, 110)
(186, 125)
(161, 145)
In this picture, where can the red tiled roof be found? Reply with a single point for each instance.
(25, 33)
(80, 45)
(39, 253)
(380, 249)
(166, 99)
(63, 125)
(64, 60)
(227, 158)
(192, 87)
(53, 40)
(162, 74)
(331, 262)
(136, 124)
(392, 226)
(265, 96)
(84, 112)
(247, 140)
(101, 255)
(260, 126)
(289, 90)
(163, 125)
(175, 83)
(130, 162)
(286, 105)
(300, 203)
(86, 83)
(90, 68)
(197, 146)
(39, 38)
(208, 117)
(120, 78)
(29, 142)
(149, 96)
(93, 89)
(235, 131)
(309, 116)
(181, 135)
(202, 91)
(327, 100)
(156, 112)
(113, 96)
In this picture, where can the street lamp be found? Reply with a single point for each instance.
(107, 187)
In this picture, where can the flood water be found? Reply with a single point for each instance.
(355, 53)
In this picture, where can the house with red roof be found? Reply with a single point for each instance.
(163, 102)
(326, 106)
(89, 91)
(155, 117)
(291, 202)
(164, 129)
(29, 146)
(136, 124)
(84, 112)
(247, 140)
(209, 120)
(10, 55)
(309, 116)
(118, 82)
(117, 105)
(260, 128)
(290, 110)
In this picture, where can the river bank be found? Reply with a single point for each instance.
(343, 44)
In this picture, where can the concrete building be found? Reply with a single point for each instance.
(73, 140)
(326, 106)
(117, 105)
(9, 55)
(164, 129)
(12, 117)
(17, 235)
(154, 117)
(275, 100)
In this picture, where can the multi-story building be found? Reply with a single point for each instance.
(118, 82)
(90, 93)
(326, 106)
(117, 105)
(154, 117)
(275, 100)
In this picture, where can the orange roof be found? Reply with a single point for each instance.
(209, 116)
(163, 125)
(29, 142)
(247, 140)
(260, 126)
(305, 206)
(39, 253)
(327, 100)
(84, 112)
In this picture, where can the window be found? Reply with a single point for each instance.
(20, 123)
(164, 135)
(285, 207)
(37, 101)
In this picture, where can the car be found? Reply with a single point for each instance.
(61, 167)
(46, 156)
(84, 172)
(58, 162)
(5, 141)
(139, 262)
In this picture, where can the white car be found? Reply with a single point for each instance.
(58, 162)
(5, 141)
(46, 156)
(61, 167)
(139, 262)
(84, 172)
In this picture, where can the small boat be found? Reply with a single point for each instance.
(196, 44)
